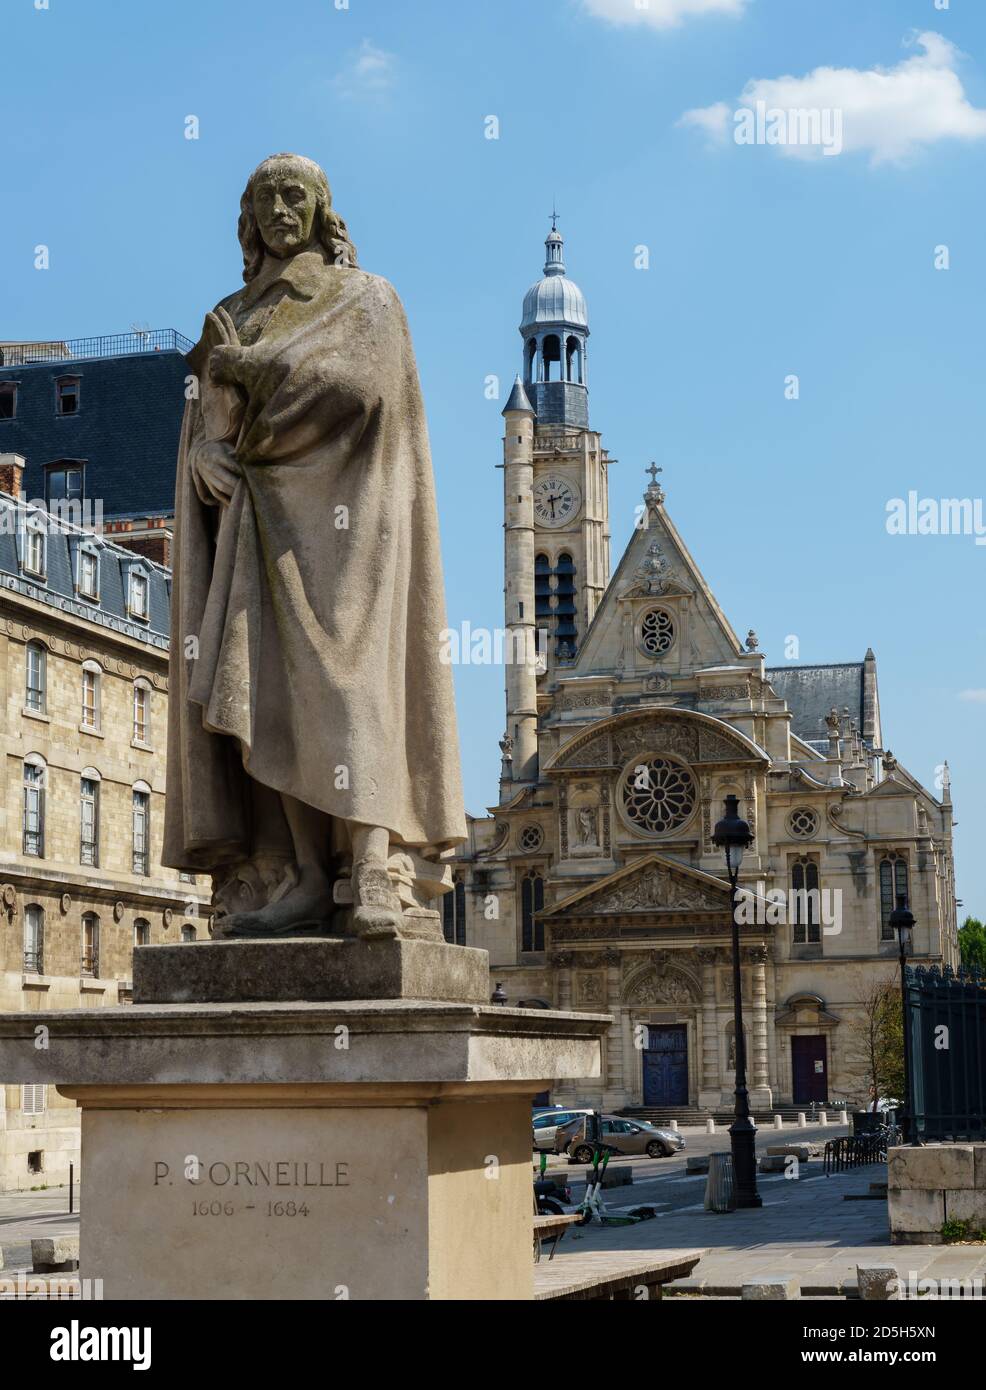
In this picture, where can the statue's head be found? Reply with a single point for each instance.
(286, 208)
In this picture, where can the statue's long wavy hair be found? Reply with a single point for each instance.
(329, 226)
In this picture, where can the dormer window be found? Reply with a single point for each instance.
(89, 574)
(34, 547)
(67, 395)
(64, 482)
(139, 600)
(8, 400)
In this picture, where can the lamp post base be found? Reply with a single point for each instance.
(743, 1142)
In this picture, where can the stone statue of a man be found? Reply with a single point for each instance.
(312, 726)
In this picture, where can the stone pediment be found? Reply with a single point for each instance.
(694, 737)
(648, 886)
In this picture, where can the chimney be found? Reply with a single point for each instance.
(11, 473)
(155, 547)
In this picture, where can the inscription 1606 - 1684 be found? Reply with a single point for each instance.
(244, 1173)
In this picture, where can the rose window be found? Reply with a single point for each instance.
(657, 632)
(531, 837)
(803, 822)
(658, 795)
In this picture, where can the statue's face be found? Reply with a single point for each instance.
(284, 204)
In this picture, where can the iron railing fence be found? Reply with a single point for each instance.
(108, 345)
(946, 1020)
(859, 1150)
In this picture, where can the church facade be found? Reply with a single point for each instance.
(633, 709)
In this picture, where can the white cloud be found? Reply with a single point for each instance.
(976, 697)
(660, 14)
(888, 113)
(370, 71)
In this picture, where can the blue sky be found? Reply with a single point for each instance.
(764, 262)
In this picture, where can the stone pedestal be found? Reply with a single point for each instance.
(306, 1149)
(312, 968)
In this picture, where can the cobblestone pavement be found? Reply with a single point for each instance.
(30, 1215)
(804, 1228)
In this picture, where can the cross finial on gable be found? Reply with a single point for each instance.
(653, 471)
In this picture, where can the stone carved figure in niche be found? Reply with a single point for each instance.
(311, 724)
(588, 834)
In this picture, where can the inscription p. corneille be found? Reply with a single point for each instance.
(252, 1173)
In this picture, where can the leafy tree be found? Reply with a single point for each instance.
(972, 944)
(878, 1034)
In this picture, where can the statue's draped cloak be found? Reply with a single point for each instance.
(307, 614)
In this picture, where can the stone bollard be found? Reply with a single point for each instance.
(823, 1118)
(877, 1283)
(773, 1163)
(802, 1120)
(673, 1125)
(771, 1288)
(843, 1118)
(52, 1255)
(710, 1125)
(778, 1122)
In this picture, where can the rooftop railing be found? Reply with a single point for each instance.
(109, 345)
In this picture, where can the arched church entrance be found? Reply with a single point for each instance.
(665, 1065)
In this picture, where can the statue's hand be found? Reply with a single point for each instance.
(216, 471)
(226, 365)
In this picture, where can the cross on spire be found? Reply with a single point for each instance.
(554, 217)
(653, 471)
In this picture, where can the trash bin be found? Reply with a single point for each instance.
(866, 1122)
(720, 1194)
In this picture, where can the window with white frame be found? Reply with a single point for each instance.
(89, 574)
(89, 964)
(35, 677)
(34, 939)
(34, 548)
(142, 712)
(141, 829)
(89, 819)
(139, 596)
(91, 682)
(34, 1099)
(34, 806)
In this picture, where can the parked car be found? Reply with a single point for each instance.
(546, 1122)
(621, 1135)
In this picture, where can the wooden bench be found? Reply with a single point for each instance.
(611, 1274)
(551, 1228)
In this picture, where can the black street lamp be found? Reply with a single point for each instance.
(732, 834)
(902, 922)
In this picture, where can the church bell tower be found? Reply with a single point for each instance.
(555, 503)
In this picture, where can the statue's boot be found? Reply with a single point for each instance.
(377, 909)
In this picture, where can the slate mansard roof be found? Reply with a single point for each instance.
(131, 399)
(58, 589)
(811, 691)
